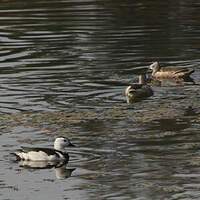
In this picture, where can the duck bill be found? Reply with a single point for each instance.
(149, 69)
(71, 145)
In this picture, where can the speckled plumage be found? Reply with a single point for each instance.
(138, 91)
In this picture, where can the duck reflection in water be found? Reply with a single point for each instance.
(46, 158)
(138, 91)
(169, 82)
(61, 170)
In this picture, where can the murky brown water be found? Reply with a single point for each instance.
(79, 56)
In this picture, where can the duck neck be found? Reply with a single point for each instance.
(58, 147)
(156, 68)
(154, 72)
(142, 79)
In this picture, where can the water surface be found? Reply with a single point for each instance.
(74, 59)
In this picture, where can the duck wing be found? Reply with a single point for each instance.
(177, 70)
(48, 151)
(170, 69)
(185, 71)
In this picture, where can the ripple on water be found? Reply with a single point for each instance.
(69, 55)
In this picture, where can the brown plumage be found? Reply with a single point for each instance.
(138, 91)
(169, 72)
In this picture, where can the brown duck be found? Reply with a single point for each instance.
(138, 91)
(169, 72)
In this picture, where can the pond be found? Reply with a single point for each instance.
(64, 68)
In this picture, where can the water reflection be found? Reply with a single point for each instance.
(190, 111)
(82, 54)
(61, 170)
(90, 55)
(168, 82)
(171, 124)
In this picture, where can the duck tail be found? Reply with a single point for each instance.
(190, 71)
(184, 72)
(18, 158)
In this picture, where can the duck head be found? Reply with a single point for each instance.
(62, 142)
(154, 67)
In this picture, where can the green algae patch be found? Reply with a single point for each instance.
(168, 189)
(153, 116)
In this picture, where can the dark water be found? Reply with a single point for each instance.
(82, 54)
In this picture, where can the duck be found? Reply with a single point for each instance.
(138, 91)
(169, 72)
(45, 154)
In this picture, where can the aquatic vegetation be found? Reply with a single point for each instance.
(66, 121)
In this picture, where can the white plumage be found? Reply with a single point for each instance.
(45, 154)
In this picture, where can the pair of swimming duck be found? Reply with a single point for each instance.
(141, 90)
